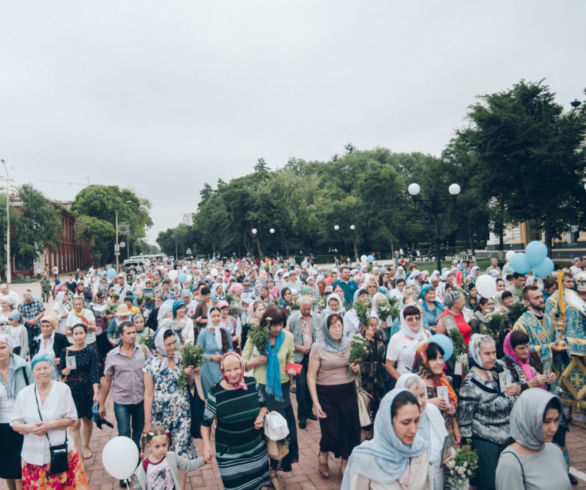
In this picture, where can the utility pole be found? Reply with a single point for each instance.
(8, 260)
(117, 246)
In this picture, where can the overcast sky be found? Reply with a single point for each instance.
(162, 97)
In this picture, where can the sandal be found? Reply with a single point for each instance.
(277, 485)
(322, 465)
(87, 453)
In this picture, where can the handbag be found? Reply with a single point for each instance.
(59, 463)
(365, 409)
(63, 378)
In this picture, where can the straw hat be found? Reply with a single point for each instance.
(123, 310)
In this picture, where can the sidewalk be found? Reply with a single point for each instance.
(304, 475)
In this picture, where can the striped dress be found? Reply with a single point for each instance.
(241, 450)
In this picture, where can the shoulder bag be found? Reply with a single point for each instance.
(59, 463)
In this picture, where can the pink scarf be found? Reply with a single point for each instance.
(528, 371)
(240, 383)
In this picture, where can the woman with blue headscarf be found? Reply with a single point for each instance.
(396, 457)
(432, 309)
(42, 413)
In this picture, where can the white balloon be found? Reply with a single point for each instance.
(486, 286)
(414, 189)
(363, 259)
(119, 457)
(509, 255)
(214, 272)
(172, 275)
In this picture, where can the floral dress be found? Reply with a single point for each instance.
(171, 407)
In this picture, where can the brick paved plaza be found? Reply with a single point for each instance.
(304, 475)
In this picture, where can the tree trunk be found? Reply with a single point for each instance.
(284, 242)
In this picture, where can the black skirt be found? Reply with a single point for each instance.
(340, 430)
(10, 448)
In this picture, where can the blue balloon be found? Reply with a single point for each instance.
(445, 343)
(544, 269)
(111, 273)
(182, 277)
(520, 263)
(536, 251)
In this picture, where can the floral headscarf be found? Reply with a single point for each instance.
(240, 383)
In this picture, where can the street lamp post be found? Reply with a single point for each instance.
(8, 259)
(353, 228)
(433, 208)
(117, 246)
(255, 234)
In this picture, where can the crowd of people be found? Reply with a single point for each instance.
(415, 378)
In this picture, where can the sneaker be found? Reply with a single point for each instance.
(302, 423)
(312, 416)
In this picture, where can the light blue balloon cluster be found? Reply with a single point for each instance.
(535, 257)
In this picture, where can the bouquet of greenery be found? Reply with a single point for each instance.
(516, 310)
(362, 311)
(463, 467)
(394, 302)
(495, 324)
(320, 302)
(259, 336)
(383, 310)
(191, 355)
(456, 337)
(294, 306)
(230, 298)
(147, 339)
(358, 348)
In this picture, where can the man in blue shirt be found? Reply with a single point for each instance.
(348, 285)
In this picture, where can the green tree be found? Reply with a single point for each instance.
(38, 225)
(529, 156)
(101, 203)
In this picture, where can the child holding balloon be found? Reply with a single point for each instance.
(158, 469)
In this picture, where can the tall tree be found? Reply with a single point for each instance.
(529, 156)
(38, 226)
(101, 202)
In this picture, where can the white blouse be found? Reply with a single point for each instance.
(58, 405)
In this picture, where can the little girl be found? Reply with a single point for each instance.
(158, 470)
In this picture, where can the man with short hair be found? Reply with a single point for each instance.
(123, 372)
(120, 285)
(538, 326)
(494, 270)
(31, 311)
(348, 285)
(304, 325)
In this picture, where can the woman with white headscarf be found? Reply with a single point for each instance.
(216, 341)
(532, 461)
(333, 392)
(484, 407)
(396, 457)
(166, 402)
(403, 345)
(334, 304)
(432, 427)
